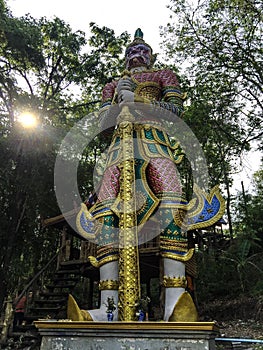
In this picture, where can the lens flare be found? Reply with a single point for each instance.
(27, 120)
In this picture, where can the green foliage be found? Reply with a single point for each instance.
(225, 274)
(22, 41)
(248, 211)
(221, 42)
(49, 70)
(107, 51)
(247, 265)
(213, 277)
(218, 45)
(235, 267)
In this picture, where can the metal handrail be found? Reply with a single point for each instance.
(242, 340)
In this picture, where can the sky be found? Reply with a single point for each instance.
(115, 14)
(120, 16)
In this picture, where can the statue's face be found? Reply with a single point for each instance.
(137, 56)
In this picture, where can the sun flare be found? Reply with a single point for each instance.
(27, 120)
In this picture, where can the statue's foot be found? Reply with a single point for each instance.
(74, 313)
(184, 310)
(101, 314)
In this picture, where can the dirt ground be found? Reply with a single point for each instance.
(239, 318)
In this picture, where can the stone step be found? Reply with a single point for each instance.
(48, 309)
(54, 294)
(63, 272)
(72, 264)
(50, 301)
(68, 278)
(31, 317)
(21, 329)
(60, 286)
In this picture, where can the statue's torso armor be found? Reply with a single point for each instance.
(153, 85)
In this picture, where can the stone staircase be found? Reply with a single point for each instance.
(51, 301)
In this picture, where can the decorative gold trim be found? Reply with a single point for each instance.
(180, 218)
(115, 325)
(174, 282)
(215, 191)
(148, 190)
(138, 98)
(144, 142)
(173, 94)
(105, 249)
(94, 262)
(155, 200)
(178, 257)
(173, 245)
(109, 285)
(102, 214)
(139, 128)
(150, 90)
(179, 158)
(88, 216)
(145, 83)
(173, 206)
(108, 259)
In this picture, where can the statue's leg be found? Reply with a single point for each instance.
(107, 258)
(107, 249)
(164, 180)
(179, 305)
(107, 261)
(174, 272)
(109, 282)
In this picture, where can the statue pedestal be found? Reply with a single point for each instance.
(127, 335)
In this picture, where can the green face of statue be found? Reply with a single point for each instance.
(137, 56)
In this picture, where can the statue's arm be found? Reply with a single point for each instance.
(172, 97)
(106, 117)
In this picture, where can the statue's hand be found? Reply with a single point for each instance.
(124, 84)
(124, 90)
(125, 96)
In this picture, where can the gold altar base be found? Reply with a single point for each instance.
(65, 335)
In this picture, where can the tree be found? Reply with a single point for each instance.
(221, 42)
(220, 51)
(45, 67)
(248, 211)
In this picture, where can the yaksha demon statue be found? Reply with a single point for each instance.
(157, 191)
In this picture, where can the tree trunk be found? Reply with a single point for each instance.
(7, 320)
(228, 204)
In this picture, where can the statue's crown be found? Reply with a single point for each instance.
(138, 39)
